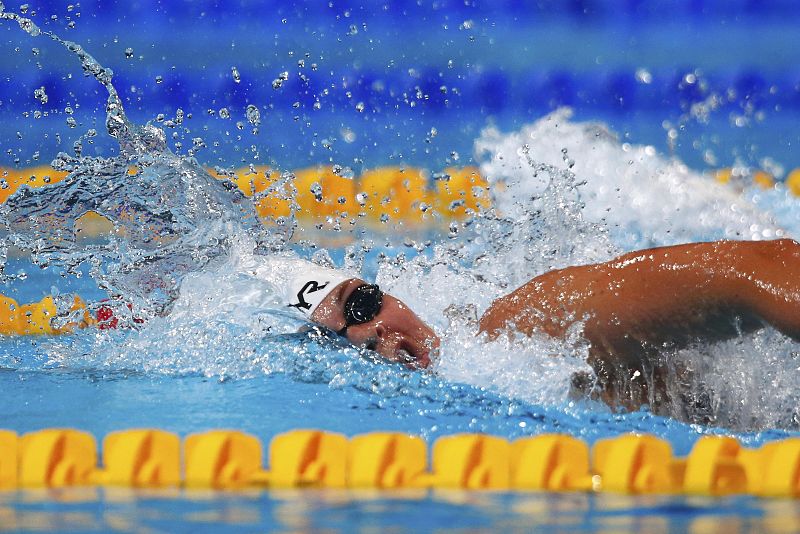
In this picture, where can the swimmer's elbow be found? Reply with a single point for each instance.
(494, 321)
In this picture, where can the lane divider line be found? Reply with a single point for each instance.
(233, 460)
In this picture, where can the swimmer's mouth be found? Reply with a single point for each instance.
(405, 354)
(411, 358)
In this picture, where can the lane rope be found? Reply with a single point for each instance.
(230, 460)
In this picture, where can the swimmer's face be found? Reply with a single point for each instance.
(396, 333)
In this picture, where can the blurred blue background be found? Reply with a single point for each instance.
(372, 83)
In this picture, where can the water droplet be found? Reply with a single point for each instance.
(253, 115)
(237, 78)
(277, 83)
(71, 122)
(159, 79)
(360, 107)
(224, 113)
(643, 76)
(129, 52)
(40, 95)
(348, 135)
(316, 190)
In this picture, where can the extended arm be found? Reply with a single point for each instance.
(636, 307)
(662, 295)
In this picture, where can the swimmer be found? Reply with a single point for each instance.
(633, 310)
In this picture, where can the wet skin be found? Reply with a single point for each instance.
(639, 307)
(633, 309)
(396, 333)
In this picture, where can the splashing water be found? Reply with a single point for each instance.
(170, 216)
(564, 193)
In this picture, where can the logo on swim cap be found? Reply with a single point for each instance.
(311, 286)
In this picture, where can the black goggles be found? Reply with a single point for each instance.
(363, 304)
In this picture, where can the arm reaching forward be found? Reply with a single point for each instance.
(664, 297)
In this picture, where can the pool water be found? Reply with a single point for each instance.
(653, 109)
(126, 511)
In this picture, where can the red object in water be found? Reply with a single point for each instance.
(106, 318)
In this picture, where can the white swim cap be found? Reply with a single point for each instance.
(310, 284)
(301, 285)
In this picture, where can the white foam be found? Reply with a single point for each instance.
(643, 197)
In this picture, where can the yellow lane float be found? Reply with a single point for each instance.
(741, 177)
(793, 182)
(232, 460)
(36, 318)
(12, 179)
(396, 196)
(461, 191)
(271, 190)
(323, 195)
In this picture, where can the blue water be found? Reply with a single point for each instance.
(502, 64)
(506, 63)
(310, 511)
